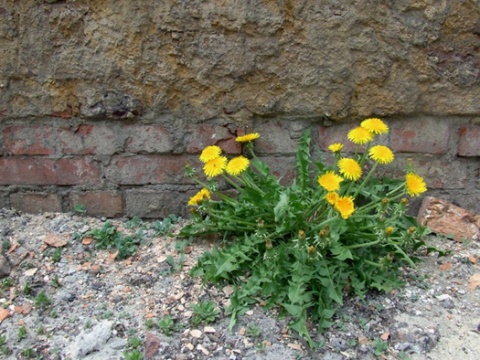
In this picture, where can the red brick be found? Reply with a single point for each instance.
(469, 144)
(29, 140)
(36, 202)
(147, 139)
(205, 135)
(420, 136)
(88, 139)
(99, 203)
(149, 169)
(76, 171)
(29, 171)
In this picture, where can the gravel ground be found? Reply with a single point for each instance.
(62, 298)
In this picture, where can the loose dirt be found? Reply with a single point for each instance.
(62, 298)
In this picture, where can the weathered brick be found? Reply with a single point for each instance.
(99, 203)
(29, 140)
(89, 139)
(204, 135)
(282, 168)
(73, 171)
(149, 203)
(149, 169)
(469, 144)
(337, 133)
(36, 202)
(275, 138)
(147, 139)
(420, 136)
(27, 171)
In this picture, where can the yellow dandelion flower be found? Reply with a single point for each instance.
(375, 126)
(345, 206)
(389, 230)
(415, 184)
(331, 198)
(350, 168)
(215, 167)
(360, 135)
(337, 147)
(210, 153)
(247, 137)
(199, 197)
(237, 165)
(381, 154)
(330, 181)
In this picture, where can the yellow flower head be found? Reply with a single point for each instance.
(389, 230)
(375, 126)
(247, 137)
(360, 135)
(237, 165)
(337, 147)
(381, 154)
(311, 250)
(330, 181)
(415, 184)
(345, 206)
(215, 167)
(331, 198)
(350, 168)
(199, 197)
(210, 153)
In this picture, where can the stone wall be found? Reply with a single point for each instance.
(102, 102)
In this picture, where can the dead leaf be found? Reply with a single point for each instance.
(4, 313)
(87, 241)
(242, 331)
(30, 272)
(54, 240)
(150, 316)
(472, 259)
(128, 261)
(188, 249)
(111, 258)
(474, 282)
(385, 336)
(12, 248)
(294, 346)
(446, 266)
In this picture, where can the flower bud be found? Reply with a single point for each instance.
(260, 223)
(389, 230)
(301, 234)
(385, 201)
(311, 250)
(268, 244)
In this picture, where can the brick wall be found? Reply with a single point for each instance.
(133, 168)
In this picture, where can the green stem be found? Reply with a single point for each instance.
(371, 263)
(405, 256)
(249, 182)
(357, 246)
(372, 170)
(323, 223)
(231, 182)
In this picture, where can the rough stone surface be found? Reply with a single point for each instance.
(111, 97)
(88, 341)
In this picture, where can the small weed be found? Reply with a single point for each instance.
(379, 346)
(4, 349)
(28, 353)
(109, 237)
(134, 223)
(180, 246)
(80, 209)
(134, 343)
(22, 333)
(205, 312)
(57, 255)
(124, 315)
(107, 315)
(56, 282)
(42, 300)
(88, 324)
(41, 330)
(262, 346)
(131, 332)
(253, 331)
(53, 314)
(150, 324)
(166, 325)
(403, 356)
(5, 245)
(27, 289)
(133, 355)
(7, 283)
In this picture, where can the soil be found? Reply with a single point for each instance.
(63, 298)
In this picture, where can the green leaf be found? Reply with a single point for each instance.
(341, 253)
(281, 208)
(303, 160)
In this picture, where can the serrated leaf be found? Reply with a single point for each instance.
(280, 209)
